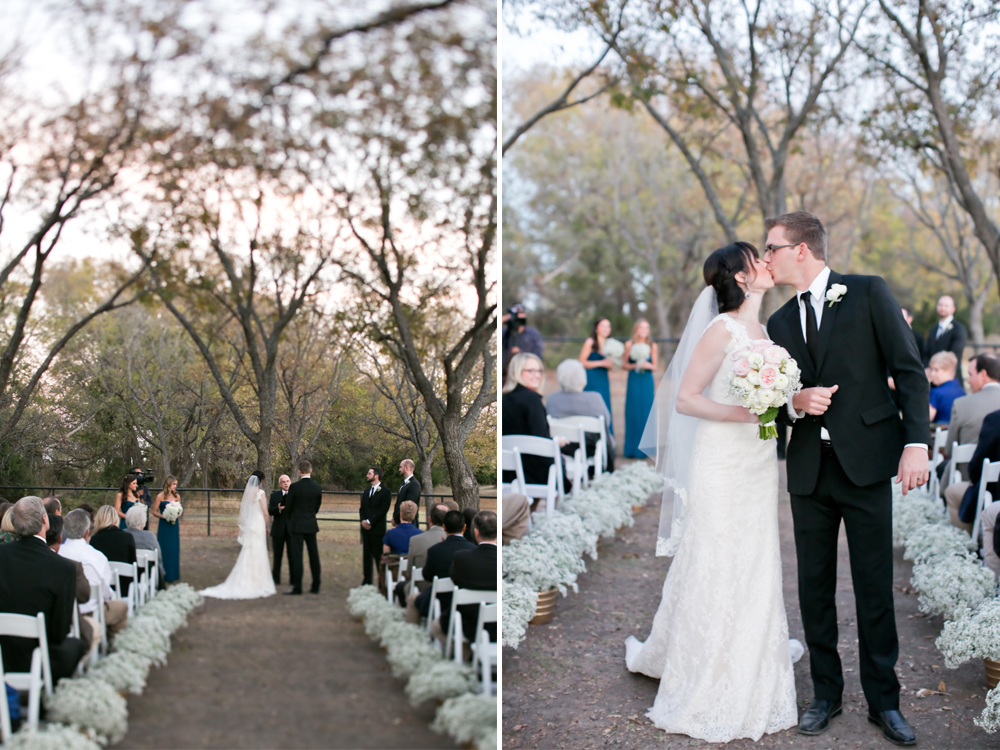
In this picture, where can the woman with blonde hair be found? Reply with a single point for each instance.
(640, 361)
(524, 413)
(168, 533)
(106, 537)
(945, 387)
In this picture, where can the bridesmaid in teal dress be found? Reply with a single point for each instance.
(168, 533)
(597, 364)
(639, 396)
(128, 495)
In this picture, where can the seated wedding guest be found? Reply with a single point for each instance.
(417, 556)
(110, 540)
(397, 539)
(476, 569)
(439, 564)
(52, 506)
(991, 538)
(961, 497)
(6, 529)
(88, 509)
(469, 514)
(524, 414)
(33, 579)
(54, 538)
(516, 513)
(573, 401)
(135, 520)
(968, 412)
(944, 387)
(95, 567)
(451, 504)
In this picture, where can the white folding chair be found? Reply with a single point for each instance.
(129, 570)
(438, 586)
(148, 571)
(511, 461)
(456, 636)
(484, 651)
(102, 648)
(415, 575)
(39, 679)
(5, 725)
(960, 454)
(390, 582)
(530, 445)
(573, 433)
(937, 458)
(991, 473)
(597, 426)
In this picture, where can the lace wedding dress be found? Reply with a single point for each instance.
(719, 641)
(250, 577)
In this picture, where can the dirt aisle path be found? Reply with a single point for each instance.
(281, 672)
(567, 686)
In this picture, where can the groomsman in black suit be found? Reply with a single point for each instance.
(303, 501)
(949, 335)
(408, 490)
(476, 569)
(375, 504)
(35, 579)
(438, 564)
(279, 526)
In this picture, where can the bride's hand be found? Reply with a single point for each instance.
(743, 414)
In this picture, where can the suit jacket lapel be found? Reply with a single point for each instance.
(826, 327)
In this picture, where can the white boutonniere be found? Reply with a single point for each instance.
(834, 293)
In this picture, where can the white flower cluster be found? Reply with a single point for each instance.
(951, 581)
(412, 655)
(614, 349)
(640, 352)
(91, 707)
(469, 718)
(172, 511)
(764, 377)
(551, 555)
(973, 635)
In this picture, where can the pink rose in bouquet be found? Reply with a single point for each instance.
(768, 375)
(741, 368)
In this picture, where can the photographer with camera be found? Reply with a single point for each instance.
(518, 336)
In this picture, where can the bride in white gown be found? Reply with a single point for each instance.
(719, 641)
(250, 577)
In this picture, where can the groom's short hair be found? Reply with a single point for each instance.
(801, 226)
(305, 467)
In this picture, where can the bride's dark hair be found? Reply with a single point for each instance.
(720, 272)
(259, 474)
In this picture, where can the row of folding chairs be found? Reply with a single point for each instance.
(484, 651)
(38, 680)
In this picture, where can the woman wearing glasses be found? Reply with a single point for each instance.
(524, 413)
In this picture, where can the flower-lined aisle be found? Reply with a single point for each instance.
(950, 581)
(551, 556)
(86, 712)
(464, 715)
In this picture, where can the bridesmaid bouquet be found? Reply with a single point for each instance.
(764, 378)
(614, 349)
(173, 511)
(640, 353)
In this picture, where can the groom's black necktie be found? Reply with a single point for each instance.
(812, 330)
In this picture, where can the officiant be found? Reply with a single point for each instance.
(279, 525)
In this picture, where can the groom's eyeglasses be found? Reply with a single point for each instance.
(770, 249)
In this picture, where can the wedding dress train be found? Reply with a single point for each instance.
(251, 576)
(719, 641)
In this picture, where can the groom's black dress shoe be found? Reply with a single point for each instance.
(895, 728)
(816, 719)
(293, 592)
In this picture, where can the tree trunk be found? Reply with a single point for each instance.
(977, 304)
(464, 487)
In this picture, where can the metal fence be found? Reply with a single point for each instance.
(200, 508)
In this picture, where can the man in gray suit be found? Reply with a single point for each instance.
(417, 556)
(967, 414)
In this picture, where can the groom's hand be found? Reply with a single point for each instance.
(814, 401)
(914, 468)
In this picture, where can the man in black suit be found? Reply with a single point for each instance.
(408, 490)
(279, 526)
(302, 502)
(375, 504)
(35, 579)
(988, 446)
(438, 564)
(476, 569)
(848, 442)
(949, 335)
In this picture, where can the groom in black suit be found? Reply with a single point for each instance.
(375, 503)
(302, 502)
(848, 441)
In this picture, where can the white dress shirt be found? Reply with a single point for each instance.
(95, 568)
(944, 325)
(372, 492)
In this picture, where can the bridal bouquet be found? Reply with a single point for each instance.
(173, 511)
(764, 378)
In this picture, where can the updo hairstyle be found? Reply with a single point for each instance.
(720, 272)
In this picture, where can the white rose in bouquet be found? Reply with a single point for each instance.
(640, 353)
(615, 349)
(173, 511)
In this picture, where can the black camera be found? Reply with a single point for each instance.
(143, 478)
